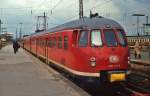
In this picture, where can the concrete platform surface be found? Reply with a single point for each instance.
(21, 76)
(145, 59)
(144, 56)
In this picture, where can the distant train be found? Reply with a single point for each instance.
(88, 47)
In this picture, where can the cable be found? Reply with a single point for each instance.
(100, 4)
(39, 5)
(91, 8)
(12, 8)
(57, 4)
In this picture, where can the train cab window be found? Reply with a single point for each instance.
(66, 42)
(83, 38)
(121, 38)
(96, 39)
(110, 38)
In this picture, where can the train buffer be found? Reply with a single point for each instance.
(23, 75)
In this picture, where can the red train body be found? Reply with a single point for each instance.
(89, 47)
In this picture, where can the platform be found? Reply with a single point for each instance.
(21, 75)
(145, 59)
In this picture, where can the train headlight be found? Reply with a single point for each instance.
(113, 59)
(93, 61)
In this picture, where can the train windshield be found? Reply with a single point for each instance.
(83, 38)
(96, 39)
(121, 38)
(110, 38)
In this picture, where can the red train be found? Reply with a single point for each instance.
(88, 47)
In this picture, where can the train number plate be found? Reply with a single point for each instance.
(117, 77)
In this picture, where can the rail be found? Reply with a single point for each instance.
(140, 62)
(140, 67)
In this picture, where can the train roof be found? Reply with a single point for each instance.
(85, 23)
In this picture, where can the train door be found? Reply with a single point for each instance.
(82, 46)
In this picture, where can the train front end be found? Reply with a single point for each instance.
(112, 57)
(102, 52)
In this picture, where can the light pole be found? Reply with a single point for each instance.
(0, 26)
(20, 33)
(80, 9)
(146, 26)
(138, 15)
(16, 33)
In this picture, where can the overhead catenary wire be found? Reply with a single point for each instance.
(40, 4)
(59, 2)
(13, 8)
(55, 6)
(98, 5)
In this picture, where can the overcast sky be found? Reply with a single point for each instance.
(14, 12)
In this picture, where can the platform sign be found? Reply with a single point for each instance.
(147, 28)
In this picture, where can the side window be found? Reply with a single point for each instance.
(50, 43)
(59, 42)
(83, 38)
(42, 43)
(96, 39)
(54, 42)
(35, 42)
(66, 42)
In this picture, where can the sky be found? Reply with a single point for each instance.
(15, 12)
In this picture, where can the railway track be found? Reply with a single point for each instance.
(140, 77)
(136, 85)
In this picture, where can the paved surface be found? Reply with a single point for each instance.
(20, 76)
(144, 57)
